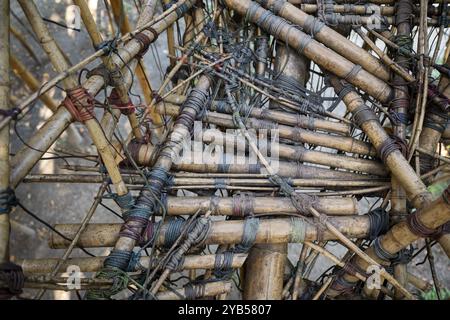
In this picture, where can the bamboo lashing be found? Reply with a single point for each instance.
(272, 131)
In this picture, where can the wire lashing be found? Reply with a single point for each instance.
(80, 103)
(13, 280)
(126, 108)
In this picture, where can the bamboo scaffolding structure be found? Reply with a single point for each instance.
(60, 64)
(400, 235)
(326, 35)
(222, 232)
(321, 55)
(4, 133)
(26, 158)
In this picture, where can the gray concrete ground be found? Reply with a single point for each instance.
(68, 203)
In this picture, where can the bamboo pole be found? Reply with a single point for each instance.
(23, 42)
(94, 264)
(401, 235)
(141, 72)
(197, 182)
(25, 158)
(329, 37)
(4, 133)
(60, 64)
(395, 161)
(118, 81)
(279, 230)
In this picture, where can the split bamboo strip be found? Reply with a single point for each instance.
(329, 37)
(60, 64)
(313, 50)
(4, 133)
(279, 230)
(26, 158)
(395, 161)
(297, 134)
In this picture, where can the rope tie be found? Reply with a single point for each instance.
(13, 279)
(350, 77)
(298, 230)
(419, 229)
(145, 41)
(390, 145)
(194, 291)
(125, 201)
(243, 204)
(126, 108)
(381, 253)
(10, 113)
(173, 231)
(120, 282)
(133, 228)
(362, 114)
(119, 259)
(8, 200)
(223, 264)
(378, 223)
(251, 226)
(80, 103)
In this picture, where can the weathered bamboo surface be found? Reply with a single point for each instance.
(224, 232)
(233, 144)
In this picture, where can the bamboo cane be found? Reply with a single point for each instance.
(4, 133)
(395, 161)
(332, 39)
(23, 42)
(94, 264)
(210, 289)
(224, 232)
(52, 129)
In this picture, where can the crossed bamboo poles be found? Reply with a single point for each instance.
(418, 194)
